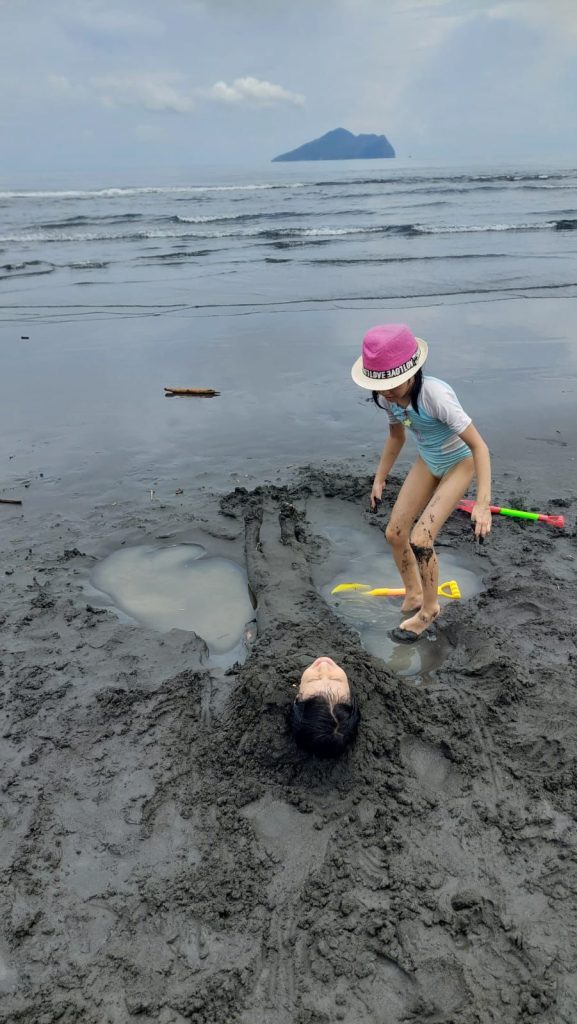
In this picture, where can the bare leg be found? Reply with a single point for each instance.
(451, 488)
(416, 491)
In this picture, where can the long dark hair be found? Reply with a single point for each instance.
(415, 392)
(322, 728)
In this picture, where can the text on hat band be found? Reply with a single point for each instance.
(395, 372)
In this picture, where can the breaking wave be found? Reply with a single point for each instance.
(288, 233)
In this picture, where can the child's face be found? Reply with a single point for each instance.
(323, 678)
(400, 392)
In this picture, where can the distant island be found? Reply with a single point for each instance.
(341, 145)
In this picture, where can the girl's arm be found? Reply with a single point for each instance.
(481, 514)
(393, 445)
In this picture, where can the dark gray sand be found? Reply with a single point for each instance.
(168, 856)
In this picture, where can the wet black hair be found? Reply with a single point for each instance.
(322, 728)
(415, 392)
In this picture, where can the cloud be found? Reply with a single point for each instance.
(158, 92)
(489, 88)
(169, 92)
(252, 91)
(557, 17)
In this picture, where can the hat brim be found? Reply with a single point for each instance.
(379, 384)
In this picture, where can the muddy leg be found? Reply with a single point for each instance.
(413, 496)
(450, 490)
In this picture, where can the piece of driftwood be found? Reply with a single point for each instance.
(10, 501)
(197, 392)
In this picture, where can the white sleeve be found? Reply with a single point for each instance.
(390, 414)
(439, 400)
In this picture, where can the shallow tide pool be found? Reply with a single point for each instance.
(358, 554)
(180, 587)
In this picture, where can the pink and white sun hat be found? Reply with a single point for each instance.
(391, 355)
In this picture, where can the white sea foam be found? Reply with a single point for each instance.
(114, 193)
(457, 229)
(276, 233)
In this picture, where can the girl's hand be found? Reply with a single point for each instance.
(377, 493)
(481, 517)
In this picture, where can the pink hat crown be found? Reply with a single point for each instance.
(388, 351)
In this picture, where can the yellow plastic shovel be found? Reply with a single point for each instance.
(448, 589)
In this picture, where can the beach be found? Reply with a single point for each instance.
(167, 854)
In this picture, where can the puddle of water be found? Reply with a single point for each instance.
(357, 555)
(178, 587)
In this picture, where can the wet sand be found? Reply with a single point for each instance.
(169, 856)
(85, 418)
(166, 853)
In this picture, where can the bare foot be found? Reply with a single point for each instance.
(421, 621)
(412, 602)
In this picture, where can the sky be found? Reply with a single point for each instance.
(106, 84)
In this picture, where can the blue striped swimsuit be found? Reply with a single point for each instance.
(437, 425)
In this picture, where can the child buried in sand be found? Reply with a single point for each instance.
(293, 622)
(450, 453)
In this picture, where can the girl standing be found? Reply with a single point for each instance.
(450, 453)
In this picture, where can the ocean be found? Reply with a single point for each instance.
(309, 232)
(261, 282)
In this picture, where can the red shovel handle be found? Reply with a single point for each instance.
(466, 505)
(553, 520)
